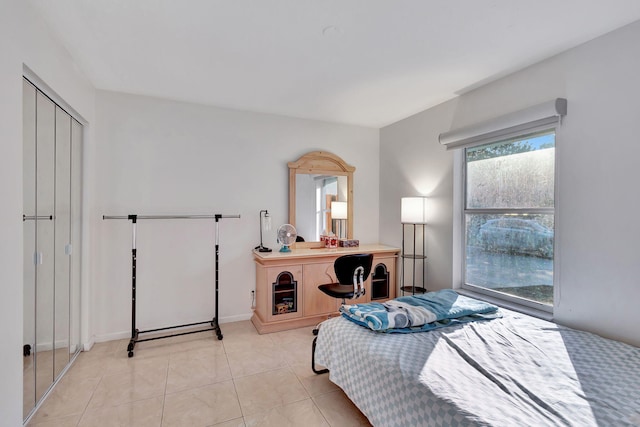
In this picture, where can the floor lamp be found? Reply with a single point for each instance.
(413, 213)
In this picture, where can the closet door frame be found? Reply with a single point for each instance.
(29, 234)
(63, 243)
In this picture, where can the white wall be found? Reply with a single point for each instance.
(158, 157)
(412, 165)
(597, 227)
(24, 39)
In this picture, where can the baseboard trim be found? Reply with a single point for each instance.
(49, 346)
(127, 334)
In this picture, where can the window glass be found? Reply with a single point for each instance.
(512, 174)
(509, 219)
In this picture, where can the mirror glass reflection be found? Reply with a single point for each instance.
(62, 241)
(52, 224)
(314, 195)
(316, 181)
(45, 245)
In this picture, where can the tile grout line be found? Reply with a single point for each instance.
(164, 395)
(89, 401)
(276, 340)
(233, 380)
(311, 398)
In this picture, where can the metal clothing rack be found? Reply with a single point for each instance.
(135, 333)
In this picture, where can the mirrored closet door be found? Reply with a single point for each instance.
(52, 153)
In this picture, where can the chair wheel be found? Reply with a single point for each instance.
(131, 354)
(219, 337)
(315, 331)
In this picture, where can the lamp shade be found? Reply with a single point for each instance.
(413, 210)
(266, 221)
(339, 210)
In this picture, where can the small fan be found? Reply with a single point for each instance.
(286, 236)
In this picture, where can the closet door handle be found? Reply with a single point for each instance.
(68, 249)
(37, 258)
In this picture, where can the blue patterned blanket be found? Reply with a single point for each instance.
(417, 313)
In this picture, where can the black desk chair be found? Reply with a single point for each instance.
(351, 272)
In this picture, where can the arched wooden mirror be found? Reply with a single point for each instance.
(316, 181)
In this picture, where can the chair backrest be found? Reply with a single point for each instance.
(353, 270)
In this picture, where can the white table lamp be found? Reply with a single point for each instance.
(339, 212)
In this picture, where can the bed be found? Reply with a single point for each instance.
(514, 370)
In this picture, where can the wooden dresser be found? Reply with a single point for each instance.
(287, 294)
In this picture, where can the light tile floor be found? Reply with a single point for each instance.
(197, 381)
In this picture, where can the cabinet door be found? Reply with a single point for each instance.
(283, 290)
(316, 302)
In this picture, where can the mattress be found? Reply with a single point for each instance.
(512, 371)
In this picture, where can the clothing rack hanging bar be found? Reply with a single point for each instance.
(135, 332)
(36, 217)
(128, 217)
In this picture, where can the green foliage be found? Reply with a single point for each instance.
(498, 150)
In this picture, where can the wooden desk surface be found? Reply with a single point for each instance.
(266, 257)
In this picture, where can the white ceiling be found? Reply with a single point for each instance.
(364, 62)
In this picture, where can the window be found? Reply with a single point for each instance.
(508, 215)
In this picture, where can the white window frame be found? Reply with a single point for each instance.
(541, 117)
